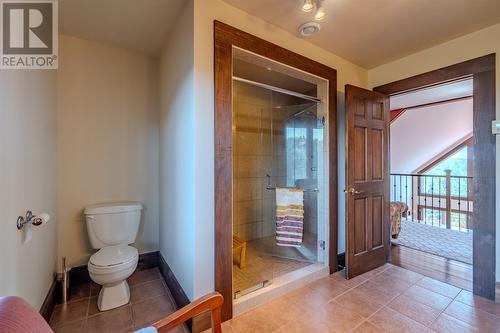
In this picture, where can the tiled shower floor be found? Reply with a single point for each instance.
(267, 261)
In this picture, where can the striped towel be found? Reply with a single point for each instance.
(289, 216)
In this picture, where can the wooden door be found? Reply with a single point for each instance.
(367, 180)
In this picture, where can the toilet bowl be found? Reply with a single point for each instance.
(110, 267)
(111, 228)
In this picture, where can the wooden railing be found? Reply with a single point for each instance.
(444, 201)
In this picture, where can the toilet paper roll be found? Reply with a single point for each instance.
(40, 219)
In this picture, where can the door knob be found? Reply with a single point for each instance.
(353, 191)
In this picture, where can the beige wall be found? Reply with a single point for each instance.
(107, 127)
(27, 181)
(471, 46)
(177, 151)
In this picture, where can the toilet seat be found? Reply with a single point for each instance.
(112, 257)
(110, 267)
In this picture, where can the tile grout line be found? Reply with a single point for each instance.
(363, 282)
(83, 318)
(459, 319)
(88, 308)
(350, 288)
(386, 305)
(355, 286)
(442, 311)
(87, 301)
(417, 282)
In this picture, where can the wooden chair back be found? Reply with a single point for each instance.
(211, 302)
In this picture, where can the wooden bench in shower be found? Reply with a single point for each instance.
(240, 245)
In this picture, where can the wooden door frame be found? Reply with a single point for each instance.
(482, 71)
(225, 37)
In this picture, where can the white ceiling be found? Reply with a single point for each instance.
(373, 32)
(138, 25)
(439, 93)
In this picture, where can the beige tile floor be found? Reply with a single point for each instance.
(387, 299)
(150, 301)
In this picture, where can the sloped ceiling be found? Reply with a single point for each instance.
(420, 135)
(438, 93)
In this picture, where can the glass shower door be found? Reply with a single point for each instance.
(278, 143)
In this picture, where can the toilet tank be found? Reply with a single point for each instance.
(112, 223)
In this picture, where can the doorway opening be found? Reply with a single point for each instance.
(431, 180)
(482, 219)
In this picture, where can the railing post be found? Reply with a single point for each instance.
(448, 198)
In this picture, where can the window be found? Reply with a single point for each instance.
(296, 154)
(456, 162)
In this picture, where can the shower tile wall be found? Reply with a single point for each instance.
(256, 153)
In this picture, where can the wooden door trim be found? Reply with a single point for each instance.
(225, 37)
(446, 74)
(482, 71)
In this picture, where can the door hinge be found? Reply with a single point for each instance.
(322, 244)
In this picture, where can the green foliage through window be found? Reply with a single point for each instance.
(457, 163)
(436, 217)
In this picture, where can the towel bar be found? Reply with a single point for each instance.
(305, 190)
(270, 188)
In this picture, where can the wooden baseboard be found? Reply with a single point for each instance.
(79, 275)
(50, 301)
(199, 323)
(173, 285)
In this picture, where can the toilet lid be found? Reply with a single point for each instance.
(113, 255)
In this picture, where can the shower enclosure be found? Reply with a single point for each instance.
(278, 142)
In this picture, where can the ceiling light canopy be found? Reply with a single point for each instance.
(309, 28)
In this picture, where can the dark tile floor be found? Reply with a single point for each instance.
(150, 301)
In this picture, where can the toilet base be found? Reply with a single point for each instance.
(111, 297)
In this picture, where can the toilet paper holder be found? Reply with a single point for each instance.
(30, 218)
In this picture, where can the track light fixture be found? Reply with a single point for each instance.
(320, 11)
(307, 6)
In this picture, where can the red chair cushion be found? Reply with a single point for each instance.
(16, 315)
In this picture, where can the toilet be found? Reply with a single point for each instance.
(112, 227)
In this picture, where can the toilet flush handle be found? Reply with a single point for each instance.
(91, 217)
